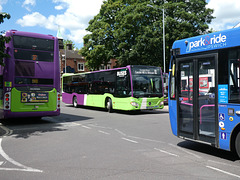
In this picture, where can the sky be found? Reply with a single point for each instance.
(72, 16)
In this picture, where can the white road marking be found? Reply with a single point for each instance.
(129, 140)
(103, 132)
(77, 124)
(97, 126)
(69, 124)
(120, 132)
(7, 131)
(225, 164)
(145, 139)
(1, 162)
(166, 152)
(86, 127)
(16, 169)
(199, 157)
(222, 171)
(25, 168)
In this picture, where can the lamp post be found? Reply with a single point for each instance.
(68, 47)
(164, 51)
(66, 59)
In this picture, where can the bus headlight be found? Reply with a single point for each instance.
(134, 104)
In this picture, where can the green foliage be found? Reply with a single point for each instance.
(132, 30)
(65, 42)
(3, 39)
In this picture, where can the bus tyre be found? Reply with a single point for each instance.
(109, 105)
(75, 103)
(237, 144)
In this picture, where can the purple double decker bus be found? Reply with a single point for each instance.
(30, 79)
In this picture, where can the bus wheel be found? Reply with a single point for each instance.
(237, 144)
(75, 103)
(109, 105)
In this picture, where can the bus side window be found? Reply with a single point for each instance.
(172, 82)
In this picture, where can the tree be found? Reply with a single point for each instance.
(3, 39)
(131, 30)
(65, 42)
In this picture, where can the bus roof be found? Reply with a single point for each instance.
(213, 41)
(75, 74)
(29, 34)
(119, 68)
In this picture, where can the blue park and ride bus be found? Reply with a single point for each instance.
(204, 89)
(30, 79)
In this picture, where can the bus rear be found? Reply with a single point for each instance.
(30, 79)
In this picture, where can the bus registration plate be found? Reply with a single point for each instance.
(31, 97)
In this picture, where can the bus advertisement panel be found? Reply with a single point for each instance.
(204, 83)
(127, 88)
(30, 79)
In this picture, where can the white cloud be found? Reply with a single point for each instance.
(59, 7)
(82, 8)
(28, 3)
(2, 2)
(72, 22)
(226, 13)
(37, 19)
(77, 35)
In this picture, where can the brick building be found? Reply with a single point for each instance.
(76, 63)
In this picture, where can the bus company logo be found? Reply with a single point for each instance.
(121, 73)
(217, 41)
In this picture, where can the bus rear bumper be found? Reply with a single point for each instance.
(9, 114)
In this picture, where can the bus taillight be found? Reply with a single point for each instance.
(7, 101)
(58, 100)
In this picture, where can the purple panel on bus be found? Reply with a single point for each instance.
(44, 70)
(68, 98)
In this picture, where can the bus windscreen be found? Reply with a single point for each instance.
(147, 82)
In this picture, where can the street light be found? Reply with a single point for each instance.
(164, 51)
(68, 47)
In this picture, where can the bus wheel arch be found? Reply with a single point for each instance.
(75, 102)
(108, 104)
(235, 140)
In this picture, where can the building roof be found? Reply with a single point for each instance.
(72, 54)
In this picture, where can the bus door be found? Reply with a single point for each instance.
(196, 98)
